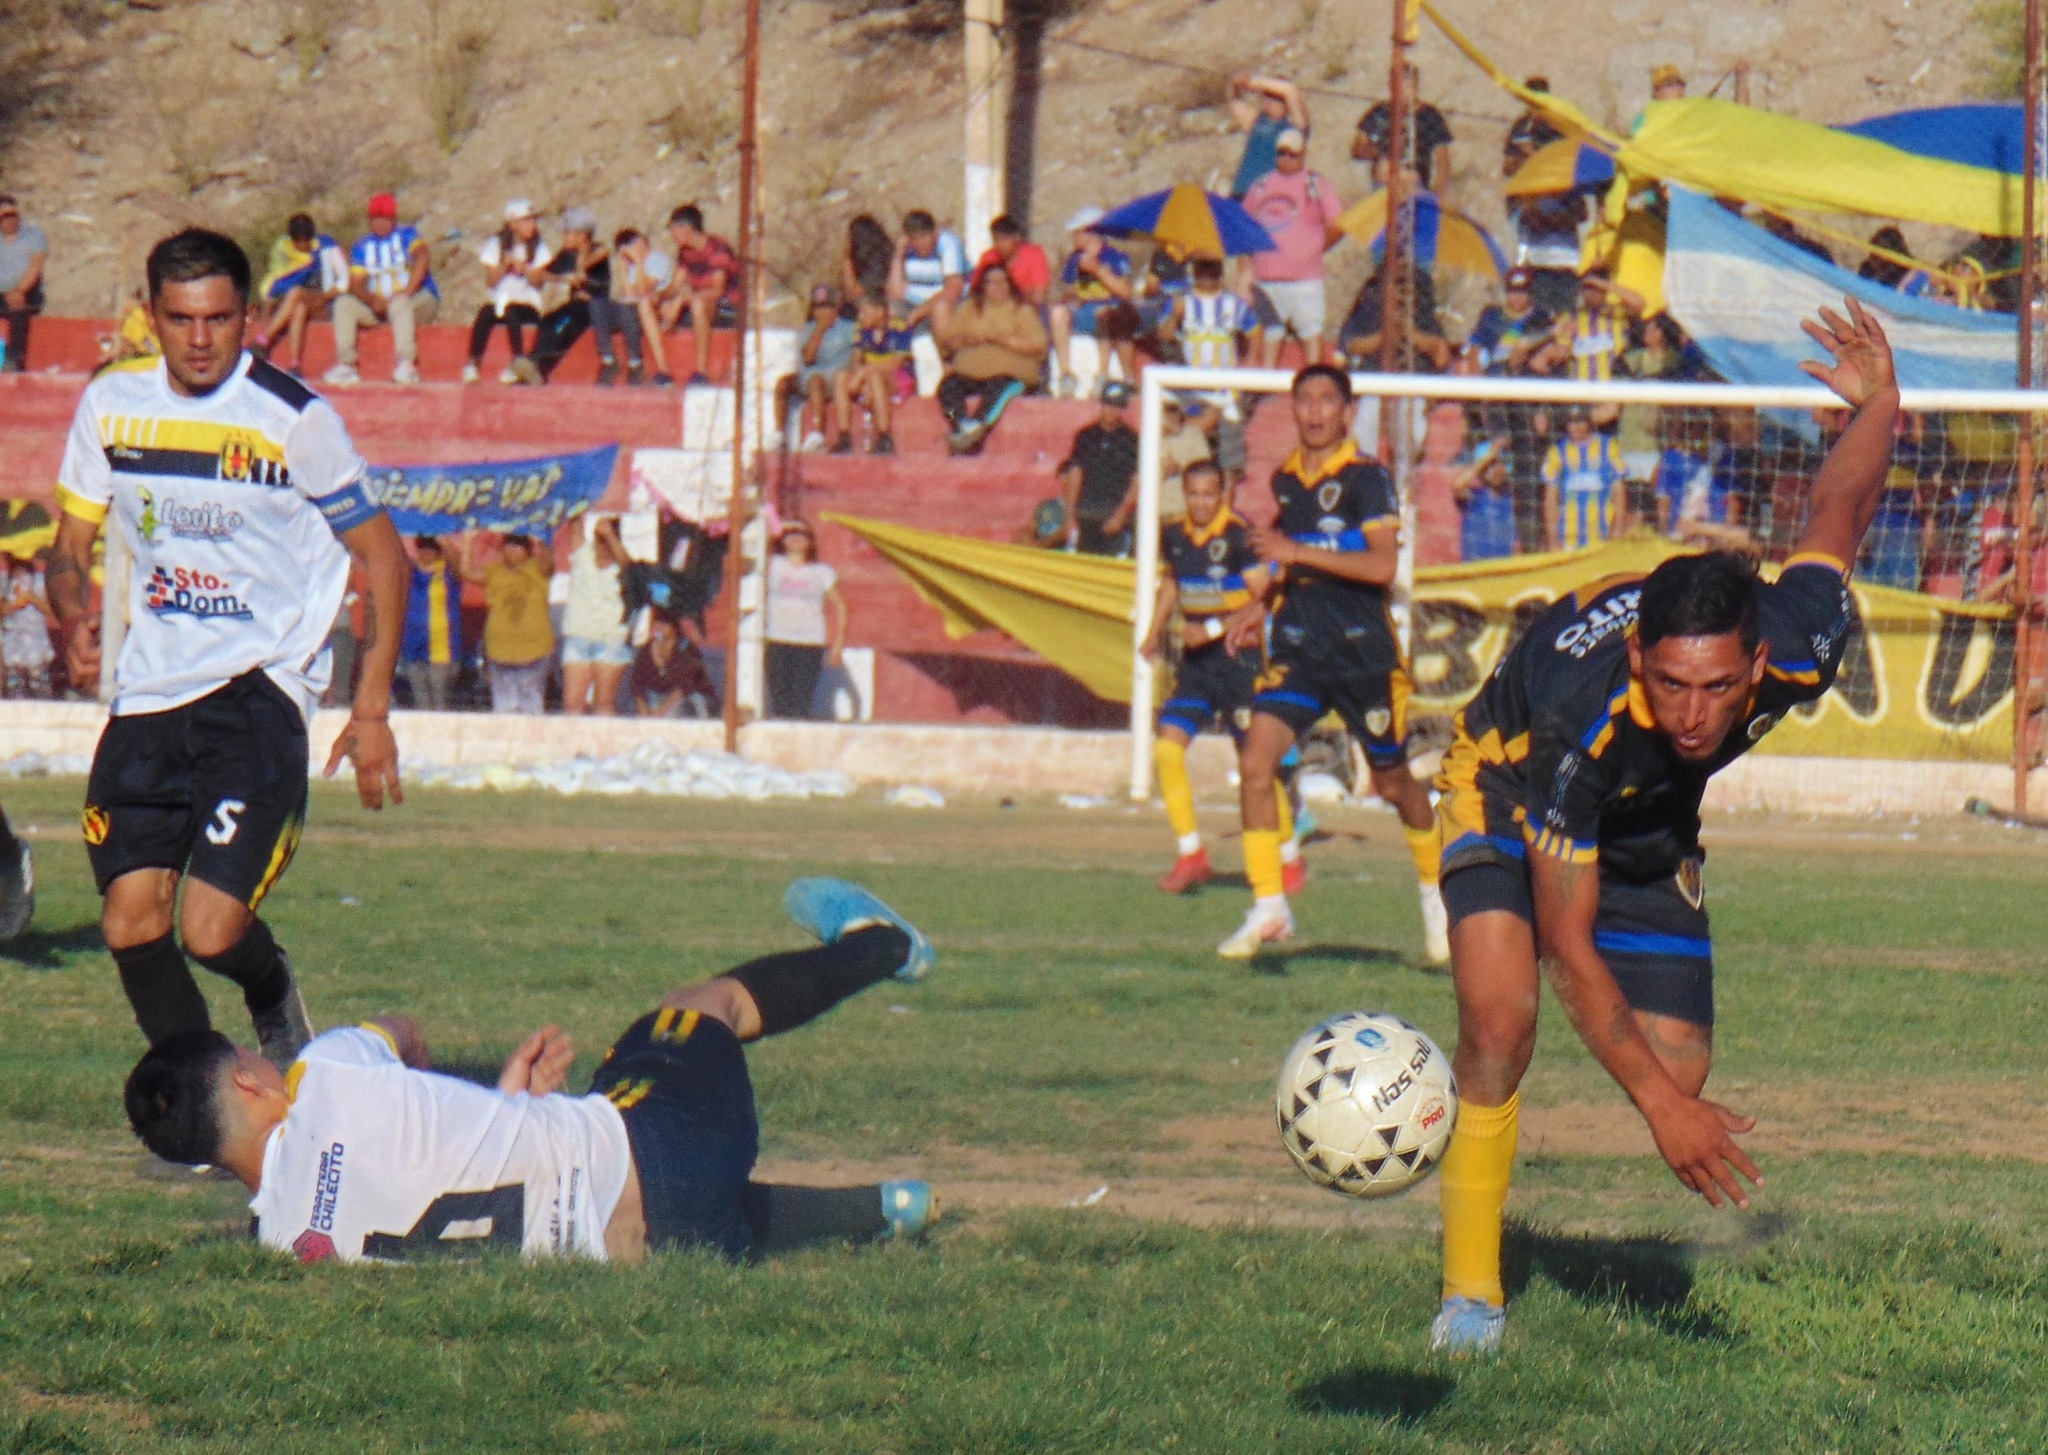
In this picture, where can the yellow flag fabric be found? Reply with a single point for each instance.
(1928, 679)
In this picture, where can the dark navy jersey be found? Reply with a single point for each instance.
(1333, 510)
(1208, 565)
(1559, 754)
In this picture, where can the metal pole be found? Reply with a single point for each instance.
(749, 251)
(2023, 505)
(1394, 249)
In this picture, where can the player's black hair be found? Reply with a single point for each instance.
(1323, 371)
(919, 221)
(1202, 467)
(195, 253)
(173, 1096)
(688, 215)
(1707, 595)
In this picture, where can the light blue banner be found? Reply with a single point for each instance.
(526, 497)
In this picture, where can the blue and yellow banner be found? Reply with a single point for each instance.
(526, 497)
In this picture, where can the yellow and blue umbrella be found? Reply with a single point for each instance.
(1562, 166)
(1192, 222)
(1443, 238)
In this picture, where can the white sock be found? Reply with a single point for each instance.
(1190, 844)
(1271, 904)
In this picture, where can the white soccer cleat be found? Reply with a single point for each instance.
(1436, 926)
(1261, 927)
(342, 374)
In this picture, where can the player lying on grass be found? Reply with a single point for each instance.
(1570, 820)
(359, 1151)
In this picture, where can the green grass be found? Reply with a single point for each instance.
(1879, 995)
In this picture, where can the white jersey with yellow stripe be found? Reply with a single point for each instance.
(377, 1161)
(230, 504)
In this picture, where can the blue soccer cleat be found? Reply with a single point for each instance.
(1467, 1326)
(909, 1207)
(831, 908)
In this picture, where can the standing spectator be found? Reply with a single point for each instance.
(595, 651)
(1182, 445)
(1262, 107)
(706, 284)
(583, 265)
(1299, 209)
(431, 652)
(1583, 502)
(825, 354)
(1205, 322)
(870, 258)
(519, 640)
(1096, 298)
(390, 281)
(1426, 153)
(998, 349)
(25, 623)
(345, 640)
(669, 677)
(1025, 261)
(640, 278)
(1486, 506)
(1531, 132)
(1589, 341)
(24, 253)
(1361, 337)
(1547, 246)
(1508, 332)
(802, 590)
(880, 352)
(308, 271)
(513, 257)
(1099, 479)
(929, 276)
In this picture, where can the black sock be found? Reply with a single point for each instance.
(160, 987)
(9, 844)
(785, 1218)
(802, 985)
(255, 963)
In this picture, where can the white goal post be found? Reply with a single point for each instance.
(1161, 380)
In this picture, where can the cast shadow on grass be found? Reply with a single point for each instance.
(1279, 962)
(1403, 1396)
(1650, 1276)
(50, 949)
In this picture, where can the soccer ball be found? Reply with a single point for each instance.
(1366, 1104)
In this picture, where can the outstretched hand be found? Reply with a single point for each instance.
(540, 1067)
(1695, 1137)
(1861, 367)
(369, 744)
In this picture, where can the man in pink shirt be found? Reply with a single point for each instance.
(1300, 209)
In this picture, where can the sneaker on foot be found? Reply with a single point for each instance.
(843, 445)
(813, 443)
(526, 371)
(471, 373)
(884, 444)
(830, 908)
(282, 1032)
(1294, 876)
(662, 380)
(608, 372)
(909, 1208)
(1305, 824)
(507, 375)
(1436, 925)
(406, 373)
(1466, 1326)
(1261, 927)
(342, 374)
(1189, 873)
(698, 380)
(17, 892)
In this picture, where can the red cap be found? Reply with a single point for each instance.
(384, 204)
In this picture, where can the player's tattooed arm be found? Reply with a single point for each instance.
(367, 740)
(67, 583)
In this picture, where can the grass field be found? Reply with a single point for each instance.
(1882, 996)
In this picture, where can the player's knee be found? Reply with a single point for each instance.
(212, 932)
(1501, 1036)
(125, 926)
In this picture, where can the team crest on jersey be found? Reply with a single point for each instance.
(1218, 549)
(1692, 882)
(1378, 720)
(96, 824)
(1329, 493)
(242, 463)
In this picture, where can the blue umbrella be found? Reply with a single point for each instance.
(1562, 166)
(1192, 222)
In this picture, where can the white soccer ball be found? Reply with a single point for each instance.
(1366, 1104)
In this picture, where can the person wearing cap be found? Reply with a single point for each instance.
(1508, 332)
(1025, 261)
(513, 258)
(1584, 504)
(24, 254)
(1095, 298)
(519, 636)
(391, 281)
(1262, 107)
(1589, 340)
(1299, 209)
(583, 265)
(1099, 478)
(1426, 153)
(825, 353)
(1531, 132)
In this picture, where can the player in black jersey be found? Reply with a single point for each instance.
(1333, 649)
(1570, 819)
(1208, 572)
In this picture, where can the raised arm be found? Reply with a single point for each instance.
(1846, 492)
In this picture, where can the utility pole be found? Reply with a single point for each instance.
(984, 193)
(750, 269)
(2024, 647)
(1396, 309)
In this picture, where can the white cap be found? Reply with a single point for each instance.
(1291, 140)
(1086, 218)
(519, 208)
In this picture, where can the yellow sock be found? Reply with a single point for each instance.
(1476, 1170)
(1171, 758)
(1262, 862)
(1289, 850)
(1427, 849)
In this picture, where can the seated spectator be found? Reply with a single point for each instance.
(869, 260)
(513, 257)
(929, 276)
(1165, 282)
(706, 285)
(134, 335)
(1095, 298)
(801, 591)
(430, 651)
(1531, 132)
(1262, 107)
(1099, 479)
(24, 255)
(519, 638)
(390, 281)
(669, 678)
(1508, 332)
(595, 653)
(880, 352)
(1547, 247)
(1205, 324)
(1299, 209)
(1428, 144)
(1583, 501)
(823, 355)
(583, 265)
(1486, 503)
(1182, 444)
(998, 350)
(638, 281)
(1025, 261)
(308, 271)
(25, 624)
(1362, 337)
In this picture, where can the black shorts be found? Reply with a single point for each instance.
(215, 790)
(679, 1080)
(1211, 683)
(1371, 696)
(1653, 936)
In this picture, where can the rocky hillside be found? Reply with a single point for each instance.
(121, 120)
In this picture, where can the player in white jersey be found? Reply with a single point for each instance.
(360, 1152)
(241, 501)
